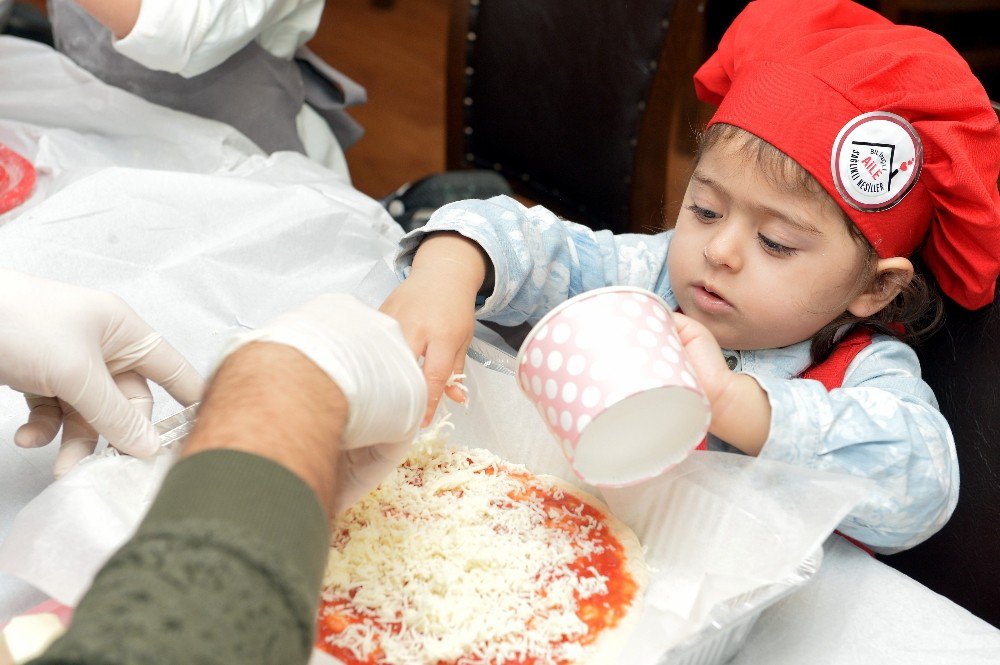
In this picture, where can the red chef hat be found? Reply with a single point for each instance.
(888, 118)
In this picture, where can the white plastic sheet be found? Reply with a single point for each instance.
(715, 528)
(61, 539)
(183, 217)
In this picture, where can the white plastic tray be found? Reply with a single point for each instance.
(730, 624)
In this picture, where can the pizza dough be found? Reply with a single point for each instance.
(460, 557)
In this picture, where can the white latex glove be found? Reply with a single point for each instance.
(365, 354)
(81, 356)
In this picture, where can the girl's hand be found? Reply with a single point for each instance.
(709, 364)
(741, 412)
(435, 307)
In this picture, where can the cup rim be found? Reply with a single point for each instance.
(663, 466)
(575, 299)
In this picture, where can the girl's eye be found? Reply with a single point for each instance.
(773, 247)
(704, 214)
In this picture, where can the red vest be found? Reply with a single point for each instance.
(831, 371)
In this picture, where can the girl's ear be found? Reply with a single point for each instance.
(891, 275)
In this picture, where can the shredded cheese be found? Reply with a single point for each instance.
(469, 574)
(455, 380)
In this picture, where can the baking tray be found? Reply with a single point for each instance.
(727, 632)
(729, 624)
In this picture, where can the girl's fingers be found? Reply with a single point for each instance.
(687, 328)
(438, 363)
(457, 391)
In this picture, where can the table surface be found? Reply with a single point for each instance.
(859, 610)
(213, 203)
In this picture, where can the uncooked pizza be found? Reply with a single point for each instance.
(460, 558)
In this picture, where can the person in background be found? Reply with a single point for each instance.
(82, 357)
(843, 145)
(239, 61)
(301, 419)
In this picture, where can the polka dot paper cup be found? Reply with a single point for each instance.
(607, 372)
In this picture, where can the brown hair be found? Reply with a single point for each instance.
(911, 316)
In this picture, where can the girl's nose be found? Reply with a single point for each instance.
(723, 251)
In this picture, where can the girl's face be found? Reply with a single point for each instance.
(759, 266)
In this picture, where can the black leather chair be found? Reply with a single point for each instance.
(585, 107)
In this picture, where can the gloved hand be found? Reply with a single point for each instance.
(81, 356)
(365, 354)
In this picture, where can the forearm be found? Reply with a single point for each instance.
(887, 434)
(882, 424)
(741, 416)
(539, 260)
(456, 261)
(226, 567)
(192, 37)
(228, 562)
(119, 16)
(272, 401)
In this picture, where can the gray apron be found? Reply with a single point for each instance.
(253, 90)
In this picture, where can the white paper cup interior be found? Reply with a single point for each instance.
(640, 436)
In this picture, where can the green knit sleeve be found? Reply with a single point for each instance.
(225, 568)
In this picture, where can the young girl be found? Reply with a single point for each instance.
(842, 144)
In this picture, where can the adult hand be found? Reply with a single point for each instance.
(365, 354)
(81, 356)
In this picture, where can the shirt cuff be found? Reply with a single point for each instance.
(252, 494)
(450, 219)
(791, 437)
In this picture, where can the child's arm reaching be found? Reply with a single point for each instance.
(537, 261)
(883, 424)
(435, 307)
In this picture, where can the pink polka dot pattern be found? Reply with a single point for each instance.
(595, 350)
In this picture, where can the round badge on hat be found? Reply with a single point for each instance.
(876, 160)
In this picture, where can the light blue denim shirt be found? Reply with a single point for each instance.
(883, 423)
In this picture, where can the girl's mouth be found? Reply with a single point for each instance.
(708, 300)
